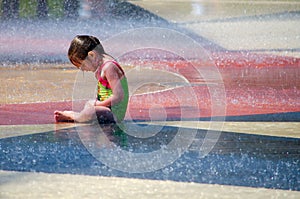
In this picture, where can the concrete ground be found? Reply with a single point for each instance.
(258, 26)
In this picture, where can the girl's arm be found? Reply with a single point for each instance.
(113, 75)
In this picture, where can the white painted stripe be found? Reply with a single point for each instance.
(43, 185)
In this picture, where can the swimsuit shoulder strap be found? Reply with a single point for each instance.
(114, 62)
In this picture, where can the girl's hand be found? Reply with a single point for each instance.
(101, 103)
(97, 103)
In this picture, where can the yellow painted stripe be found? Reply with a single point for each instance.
(279, 129)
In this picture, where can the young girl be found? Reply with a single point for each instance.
(87, 54)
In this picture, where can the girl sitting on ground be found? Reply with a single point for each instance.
(87, 54)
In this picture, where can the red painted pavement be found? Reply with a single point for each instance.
(254, 84)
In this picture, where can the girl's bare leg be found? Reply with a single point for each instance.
(64, 116)
(89, 113)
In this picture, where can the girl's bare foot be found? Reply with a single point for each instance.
(64, 116)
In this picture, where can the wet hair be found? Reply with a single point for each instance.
(81, 45)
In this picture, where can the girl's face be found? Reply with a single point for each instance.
(88, 64)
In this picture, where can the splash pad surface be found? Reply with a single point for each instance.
(260, 165)
(254, 84)
(56, 148)
(257, 149)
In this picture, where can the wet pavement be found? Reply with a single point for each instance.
(270, 27)
(235, 160)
